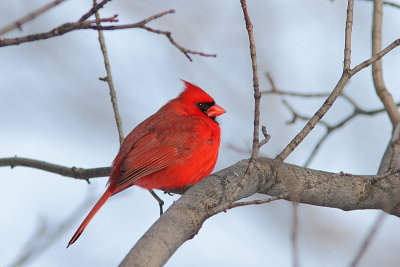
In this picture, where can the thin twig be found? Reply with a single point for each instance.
(271, 82)
(113, 92)
(331, 99)
(375, 58)
(185, 51)
(82, 25)
(74, 172)
(274, 90)
(294, 234)
(347, 37)
(46, 234)
(384, 170)
(256, 85)
(333, 96)
(73, 26)
(388, 208)
(108, 78)
(18, 24)
(357, 110)
(257, 96)
(290, 93)
(257, 201)
(93, 10)
(368, 239)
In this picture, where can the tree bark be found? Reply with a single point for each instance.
(184, 218)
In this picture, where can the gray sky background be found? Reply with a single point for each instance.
(54, 108)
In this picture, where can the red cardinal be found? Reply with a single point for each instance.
(176, 146)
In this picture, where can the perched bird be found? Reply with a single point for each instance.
(175, 147)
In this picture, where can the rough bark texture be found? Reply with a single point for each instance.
(185, 217)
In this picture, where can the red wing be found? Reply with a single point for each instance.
(147, 156)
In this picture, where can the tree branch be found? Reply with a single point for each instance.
(85, 24)
(377, 72)
(256, 123)
(332, 97)
(74, 172)
(18, 24)
(330, 129)
(185, 217)
(47, 233)
(390, 162)
(79, 25)
(387, 3)
(93, 10)
(109, 78)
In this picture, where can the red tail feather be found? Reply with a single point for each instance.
(90, 216)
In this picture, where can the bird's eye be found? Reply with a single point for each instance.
(204, 106)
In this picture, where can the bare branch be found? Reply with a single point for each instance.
(271, 82)
(79, 25)
(332, 97)
(390, 164)
(266, 136)
(257, 201)
(74, 172)
(368, 239)
(387, 3)
(93, 10)
(82, 25)
(174, 43)
(375, 58)
(297, 94)
(256, 85)
(330, 129)
(185, 217)
(257, 96)
(46, 234)
(18, 24)
(377, 72)
(294, 235)
(347, 36)
(108, 78)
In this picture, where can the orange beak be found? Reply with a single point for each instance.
(215, 111)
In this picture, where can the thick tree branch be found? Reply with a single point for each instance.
(343, 191)
(185, 217)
